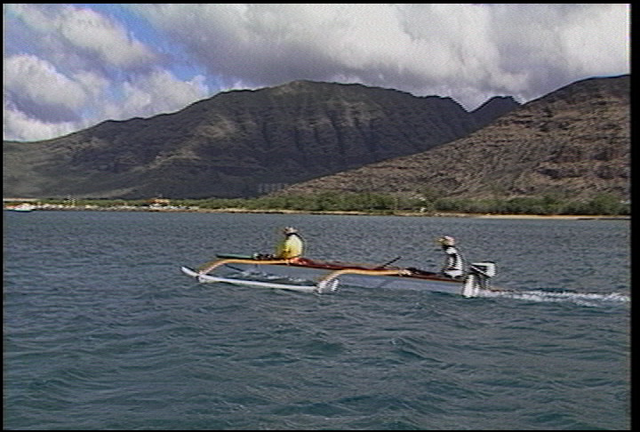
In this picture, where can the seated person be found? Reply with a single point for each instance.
(453, 265)
(291, 246)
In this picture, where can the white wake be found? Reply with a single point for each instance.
(585, 299)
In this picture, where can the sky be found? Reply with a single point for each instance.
(68, 67)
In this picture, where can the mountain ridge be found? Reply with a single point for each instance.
(240, 143)
(573, 142)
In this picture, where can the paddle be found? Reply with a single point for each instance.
(381, 266)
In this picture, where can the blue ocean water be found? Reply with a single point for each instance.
(102, 331)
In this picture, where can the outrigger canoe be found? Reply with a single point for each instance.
(316, 276)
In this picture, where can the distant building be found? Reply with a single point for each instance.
(159, 201)
(265, 188)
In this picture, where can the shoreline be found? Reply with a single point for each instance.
(570, 217)
(330, 213)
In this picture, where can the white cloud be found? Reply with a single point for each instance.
(90, 31)
(597, 40)
(77, 66)
(37, 83)
(76, 31)
(32, 16)
(157, 92)
(471, 49)
(80, 65)
(20, 127)
(92, 83)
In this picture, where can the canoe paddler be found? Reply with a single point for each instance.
(291, 246)
(454, 264)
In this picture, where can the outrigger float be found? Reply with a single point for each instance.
(315, 276)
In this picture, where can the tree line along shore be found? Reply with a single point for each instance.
(603, 205)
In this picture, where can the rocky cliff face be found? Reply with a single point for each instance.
(574, 142)
(241, 143)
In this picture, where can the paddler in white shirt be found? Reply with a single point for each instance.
(454, 265)
(291, 246)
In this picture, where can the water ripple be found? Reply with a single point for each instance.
(101, 331)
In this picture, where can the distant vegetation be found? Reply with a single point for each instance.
(374, 203)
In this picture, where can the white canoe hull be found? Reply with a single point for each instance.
(247, 282)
